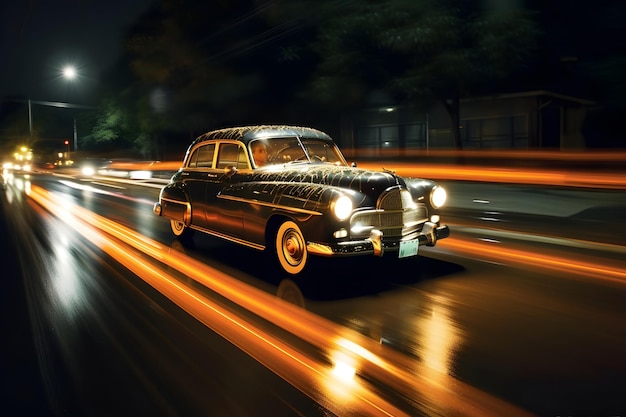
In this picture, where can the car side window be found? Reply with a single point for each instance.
(231, 155)
(202, 157)
(191, 162)
(205, 156)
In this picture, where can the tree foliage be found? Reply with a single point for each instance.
(419, 50)
(113, 127)
(199, 64)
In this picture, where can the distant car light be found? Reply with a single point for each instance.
(438, 197)
(140, 175)
(342, 207)
(88, 171)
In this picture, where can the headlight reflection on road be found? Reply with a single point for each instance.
(441, 338)
(337, 382)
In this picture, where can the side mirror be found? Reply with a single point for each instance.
(230, 170)
(353, 165)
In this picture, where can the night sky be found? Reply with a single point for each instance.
(39, 37)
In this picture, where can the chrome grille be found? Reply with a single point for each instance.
(390, 200)
(396, 215)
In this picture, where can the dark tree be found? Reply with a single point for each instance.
(418, 50)
(202, 64)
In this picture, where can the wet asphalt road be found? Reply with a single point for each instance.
(548, 341)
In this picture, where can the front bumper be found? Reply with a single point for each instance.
(375, 244)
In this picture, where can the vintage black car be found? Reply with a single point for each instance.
(288, 190)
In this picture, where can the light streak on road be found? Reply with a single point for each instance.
(615, 271)
(351, 359)
(95, 190)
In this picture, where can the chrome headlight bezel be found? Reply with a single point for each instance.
(438, 196)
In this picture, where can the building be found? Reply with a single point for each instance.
(528, 120)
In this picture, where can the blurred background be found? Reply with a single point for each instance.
(386, 76)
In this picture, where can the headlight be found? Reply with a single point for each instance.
(342, 207)
(438, 196)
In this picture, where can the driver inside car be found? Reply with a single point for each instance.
(259, 153)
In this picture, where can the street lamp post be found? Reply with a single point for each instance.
(30, 120)
(55, 104)
(69, 73)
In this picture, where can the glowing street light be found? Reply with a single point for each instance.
(69, 72)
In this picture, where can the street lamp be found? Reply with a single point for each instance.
(69, 73)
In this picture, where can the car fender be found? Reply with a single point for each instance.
(174, 202)
(420, 189)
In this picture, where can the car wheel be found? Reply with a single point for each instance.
(291, 248)
(179, 229)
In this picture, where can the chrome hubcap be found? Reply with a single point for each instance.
(293, 247)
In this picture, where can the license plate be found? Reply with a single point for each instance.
(408, 248)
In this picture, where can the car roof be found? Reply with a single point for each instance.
(248, 133)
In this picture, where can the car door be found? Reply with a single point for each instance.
(225, 215)
(195, 177)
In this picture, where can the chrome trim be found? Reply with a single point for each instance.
(229, 238)
(315, 248)
(429, 231)
(171, 200)
(376, 236)
(272, 205)
(187, 215)
(396, 215)
(369, 246)
(393, 223)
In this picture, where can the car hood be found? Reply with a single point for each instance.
(361, 180)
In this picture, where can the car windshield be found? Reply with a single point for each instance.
(297, 150)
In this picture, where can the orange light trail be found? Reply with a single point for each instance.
(504, 175)
(505, 255)
(432, 164)
(313, 376)
(586, 156)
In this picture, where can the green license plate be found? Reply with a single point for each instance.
(408, 248)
